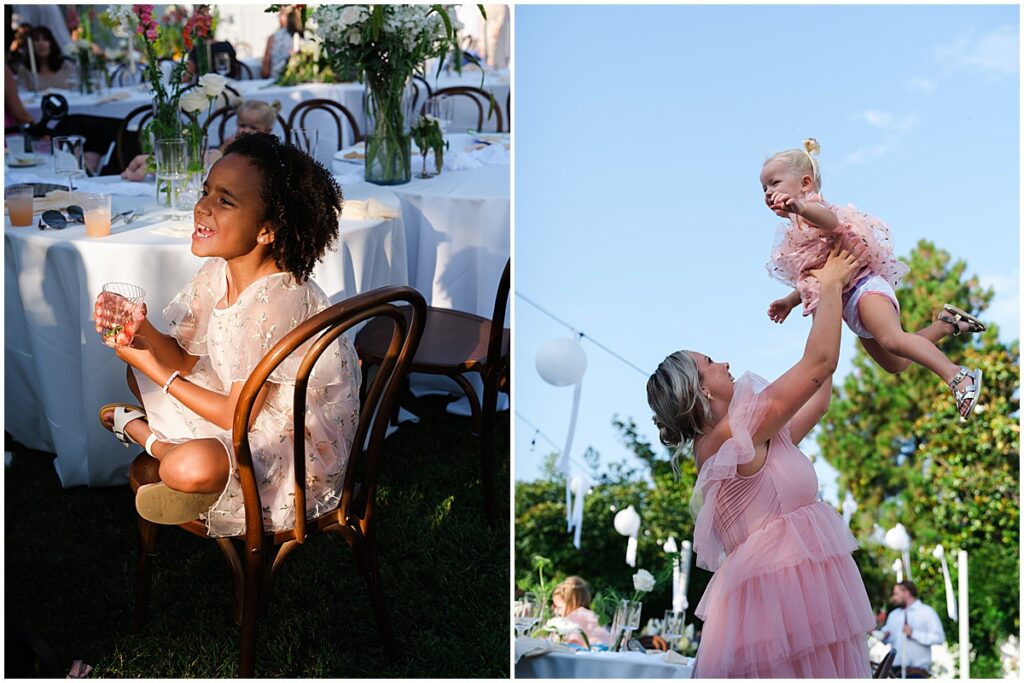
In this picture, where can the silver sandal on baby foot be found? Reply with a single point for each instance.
(967, 396)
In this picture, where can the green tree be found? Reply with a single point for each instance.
(904, 456)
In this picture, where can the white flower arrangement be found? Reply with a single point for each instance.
(212, 84)
(562, 628)
(643, 581)
(194, 101)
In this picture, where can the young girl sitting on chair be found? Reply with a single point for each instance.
(267, 214)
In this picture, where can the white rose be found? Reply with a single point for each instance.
(643, 581)
(352, 14)
(194, 100)
(212, 84)
(564, 627)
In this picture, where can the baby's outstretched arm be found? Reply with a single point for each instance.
(779, 309)
(815, 213)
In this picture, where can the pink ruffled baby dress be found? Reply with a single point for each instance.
(786, 600)
(800, 247)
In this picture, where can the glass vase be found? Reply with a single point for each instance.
(164, 125)
(626, 620)
(388, 143)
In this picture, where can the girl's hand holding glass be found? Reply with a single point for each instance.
(118, 313)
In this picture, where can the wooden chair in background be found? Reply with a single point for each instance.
(455, 344)
(486, 108)
(257, 565)
(337, 112)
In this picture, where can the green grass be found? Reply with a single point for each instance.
(70, 575)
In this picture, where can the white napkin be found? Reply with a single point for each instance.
(672, 657)
(113, 97)
(533, 647)
(459, 160)
(175, 229)
(368, 209)
(123, 188)
(493, 154)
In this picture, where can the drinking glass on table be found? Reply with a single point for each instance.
(19, 204)
(441, 108)
(527, 612)
(119, 311)
(306, 139)
(69, 157)
(673, 626)
(96, 208)
(172, 170)
(222, 63)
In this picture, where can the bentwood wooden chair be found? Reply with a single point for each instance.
(455, 344)
(486, 108)
(128, 144)
(884, 668)
(262, 553)
(216, 126)
(337, 112)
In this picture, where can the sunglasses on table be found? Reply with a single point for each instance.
(56, 220)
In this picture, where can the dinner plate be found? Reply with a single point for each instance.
(24, 162)
(356, 154)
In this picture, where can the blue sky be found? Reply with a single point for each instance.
(640, 135)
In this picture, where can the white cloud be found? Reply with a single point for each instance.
(879, 119)
(867, 153)
(1004, 310)
(922, 84)
(996, 52)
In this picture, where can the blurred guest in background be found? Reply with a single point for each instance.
(571, 599)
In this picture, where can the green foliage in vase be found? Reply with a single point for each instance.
(427, 135)
(904, 456)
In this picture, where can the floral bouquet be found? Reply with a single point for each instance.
(203, 96)
(81, 52)
(560, 629)
(427, 135)
(386, 44)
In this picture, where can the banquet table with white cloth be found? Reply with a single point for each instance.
(57, 371)
(621, 665)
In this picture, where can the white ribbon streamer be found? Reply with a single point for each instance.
(563, 462)
(580, 482)
(950, 595)
(631, 551)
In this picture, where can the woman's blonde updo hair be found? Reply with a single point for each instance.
(574, 592)
(681, 410)
(802, 161)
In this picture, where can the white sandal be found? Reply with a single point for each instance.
(161, 504)
(123, 414)
(970, 395)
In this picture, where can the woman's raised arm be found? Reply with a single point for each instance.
(821, 353)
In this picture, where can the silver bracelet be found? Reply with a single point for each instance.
(167, 384)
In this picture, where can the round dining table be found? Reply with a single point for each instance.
(619, 665)
(58, 373)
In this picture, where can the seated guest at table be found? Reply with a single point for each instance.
(216, 48)
(49, 16)
(267, 214)
(786, 600)
(280, 43)
(15, 114)
(571, 599)
(52, 70)
(254, 116)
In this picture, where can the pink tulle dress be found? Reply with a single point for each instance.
(800, 247)
(786, 600)
(587, 621)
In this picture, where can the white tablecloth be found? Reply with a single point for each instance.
(458, 226)
(57, 371)
(622, 665)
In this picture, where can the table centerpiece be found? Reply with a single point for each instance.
(385, 45)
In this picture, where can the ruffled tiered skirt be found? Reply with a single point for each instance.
(788, 603)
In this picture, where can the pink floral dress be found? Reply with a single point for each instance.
(230, 341)
(800, 247)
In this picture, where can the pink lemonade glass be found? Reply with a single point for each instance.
(19, 204)
(97, 214)
(125, 307)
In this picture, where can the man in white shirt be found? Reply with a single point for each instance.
(912, 628)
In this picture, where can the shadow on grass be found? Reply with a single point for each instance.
(70, 575)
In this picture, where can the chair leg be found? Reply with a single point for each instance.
(250, 615)
(148, 533)
(488, 409)
(376, 592)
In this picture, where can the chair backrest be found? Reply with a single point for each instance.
(244, 72)
(136, 117)
(379, 404)
(508, 112)
(218, 122)
(422, 89)
(123, 75)
(336, 110)
(884, 669)
(486, 108)
(498, 316)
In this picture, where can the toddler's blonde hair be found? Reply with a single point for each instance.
(266, 112)
(802, 161)
(574, 592)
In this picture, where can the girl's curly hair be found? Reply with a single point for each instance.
(302, 201)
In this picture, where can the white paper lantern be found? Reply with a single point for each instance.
(627, 522)
(670, 545)
(561, 362)
(939, 552)
(897, 538)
